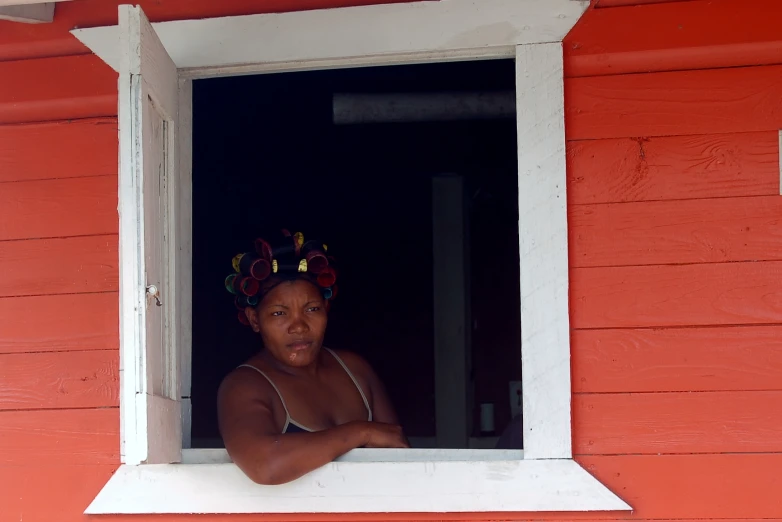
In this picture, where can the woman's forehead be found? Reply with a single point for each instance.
(296, 289)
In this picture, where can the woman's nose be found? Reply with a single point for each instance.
(298, 325)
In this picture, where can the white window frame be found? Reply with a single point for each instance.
(543, 477)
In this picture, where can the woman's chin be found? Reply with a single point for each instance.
(301, 355)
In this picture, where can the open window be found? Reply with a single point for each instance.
(409, 173)
(157, 65)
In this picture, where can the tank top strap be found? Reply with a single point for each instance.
(352, 378)
(279, 394)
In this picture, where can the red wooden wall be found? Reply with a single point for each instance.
(676, 253)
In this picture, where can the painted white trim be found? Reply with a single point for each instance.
(542, 478)
(545, 336)
(352, 36)
(360, 487)
(150, 409)
(220, 456)
(28, 14)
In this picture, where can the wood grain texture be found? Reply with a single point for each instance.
(671, 232)
(48, 492)
(677, 359)
(669, 295)
(85, 437)
(61, 149)
(59, 266)
(693, 486)
(57, 89)
(59, 207)
(652, 423)
(55, 323)
(675, 167)
(55, 380)
(674, 36)
(674, 103)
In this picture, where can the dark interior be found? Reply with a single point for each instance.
(267, 155)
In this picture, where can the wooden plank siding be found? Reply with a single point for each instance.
(59, 323)
(674, 36)
(712, 101)
(673, 167)
(85, 88)
(676, 301)
(73, 149)
(52, 380)
(54, 323)
(734, 358)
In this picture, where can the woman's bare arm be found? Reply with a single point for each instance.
(268, 457)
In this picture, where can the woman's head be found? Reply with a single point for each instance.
(282, 290)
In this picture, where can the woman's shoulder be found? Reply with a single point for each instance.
(355, 363)
(247, 381)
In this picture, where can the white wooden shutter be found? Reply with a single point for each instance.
(148, 84)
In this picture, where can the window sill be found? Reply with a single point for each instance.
(367, 482)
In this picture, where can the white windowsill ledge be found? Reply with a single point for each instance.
(362, 483)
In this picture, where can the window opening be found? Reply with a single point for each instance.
(355, 157)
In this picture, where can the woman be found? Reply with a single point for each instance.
(296, 405)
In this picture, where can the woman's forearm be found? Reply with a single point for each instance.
(277, 459)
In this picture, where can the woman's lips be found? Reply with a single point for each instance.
(300, 345)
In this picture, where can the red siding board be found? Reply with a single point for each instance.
(30, 438)
(60, 149)
(59, 380)
(693, 486)
(675, 36)
(59, 208)
(677, 359)
(674, 103)
(668, 232)
(678, 167)
(50, 492)
(59, 266)
(57, 89)
(55, 323)
(671, 295)
(666, 423)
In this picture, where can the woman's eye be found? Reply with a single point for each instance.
(313, 308)
(277, 314)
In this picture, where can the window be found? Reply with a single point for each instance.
(160, 474)
(367, 151)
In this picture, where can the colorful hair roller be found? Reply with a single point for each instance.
(235, 262)
(327, 293)
(328, 277)
(243, 318)
(248, 286)
(275, 266)
(263, 249)
(253, 301)
(240, 302)
(303, 265)
(229, 283)
(254, 266)
(260, 269)
(313, 252)
(298, 241)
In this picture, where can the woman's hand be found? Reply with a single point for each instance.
(382, 435)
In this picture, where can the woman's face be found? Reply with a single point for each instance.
(292, 322)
